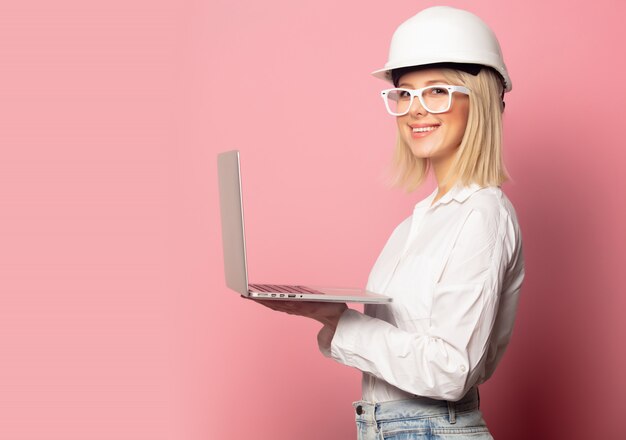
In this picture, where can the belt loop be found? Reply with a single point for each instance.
(452, 412)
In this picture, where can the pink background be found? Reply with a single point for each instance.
(114, 319)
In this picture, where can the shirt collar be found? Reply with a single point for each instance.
(458, 192)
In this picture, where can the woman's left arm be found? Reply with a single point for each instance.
(327, 313)
(473, 306)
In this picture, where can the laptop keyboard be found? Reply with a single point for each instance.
(281, 288)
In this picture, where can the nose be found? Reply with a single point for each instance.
(417, 108)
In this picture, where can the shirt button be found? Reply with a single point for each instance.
(359, 410)
(463, 368)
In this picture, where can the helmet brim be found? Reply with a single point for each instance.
(385, 72)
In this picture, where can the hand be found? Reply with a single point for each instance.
(327, 313)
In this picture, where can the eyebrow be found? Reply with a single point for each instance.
(432, 81)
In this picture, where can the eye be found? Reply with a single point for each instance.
(438, 91)
(404, 94)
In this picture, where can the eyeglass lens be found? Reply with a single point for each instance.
(435, 99)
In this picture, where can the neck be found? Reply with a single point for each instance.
(441, 169)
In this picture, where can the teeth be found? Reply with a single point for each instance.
(424, 129)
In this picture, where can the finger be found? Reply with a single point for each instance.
(280, 306)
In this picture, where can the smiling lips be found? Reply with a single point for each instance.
(423, 130)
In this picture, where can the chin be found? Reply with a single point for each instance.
(421, 152)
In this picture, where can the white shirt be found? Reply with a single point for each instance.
(454, 271)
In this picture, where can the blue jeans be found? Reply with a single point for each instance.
(422, 418)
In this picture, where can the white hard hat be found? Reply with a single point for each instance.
(442, 34)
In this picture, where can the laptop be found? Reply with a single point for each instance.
(234, 245)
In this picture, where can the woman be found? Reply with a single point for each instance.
(454, 267)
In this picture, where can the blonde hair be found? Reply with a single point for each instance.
(479, 156)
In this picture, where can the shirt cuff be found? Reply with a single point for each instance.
(324, 338)
(346, 335)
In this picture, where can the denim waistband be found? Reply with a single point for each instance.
(416, 407)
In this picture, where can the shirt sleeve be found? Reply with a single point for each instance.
(443, 362)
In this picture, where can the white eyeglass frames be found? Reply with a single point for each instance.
(434, 99)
